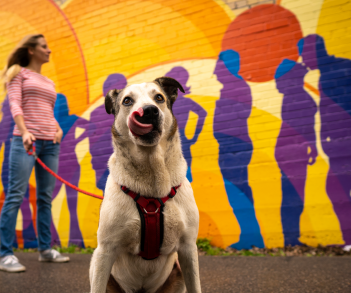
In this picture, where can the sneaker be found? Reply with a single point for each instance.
(10, 263)
(52, 255)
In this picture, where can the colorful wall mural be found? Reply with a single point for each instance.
(265, 121)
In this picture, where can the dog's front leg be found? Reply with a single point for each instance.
(100, 269)
(189, 263)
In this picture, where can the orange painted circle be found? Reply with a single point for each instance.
(263, 36)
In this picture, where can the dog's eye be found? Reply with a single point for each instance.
(159, 98)
(127, 101)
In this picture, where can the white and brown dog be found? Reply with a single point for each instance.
(144, 235)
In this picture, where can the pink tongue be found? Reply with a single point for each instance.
(135, 126)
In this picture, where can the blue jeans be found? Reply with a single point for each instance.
(20, 168)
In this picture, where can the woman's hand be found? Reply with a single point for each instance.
(28, 139)
(58, 136)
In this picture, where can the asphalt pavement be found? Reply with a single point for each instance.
(218, 274)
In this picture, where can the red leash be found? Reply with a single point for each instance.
(58, 177)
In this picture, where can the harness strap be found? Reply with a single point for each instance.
(151, 216)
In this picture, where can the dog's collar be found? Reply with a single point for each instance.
(141, 199)
(151, 216)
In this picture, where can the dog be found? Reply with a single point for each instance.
(148, 164)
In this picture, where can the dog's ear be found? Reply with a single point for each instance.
(170, 87)
(110, 101)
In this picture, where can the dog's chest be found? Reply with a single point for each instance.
(173, 227)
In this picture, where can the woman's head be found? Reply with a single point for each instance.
(32, 48)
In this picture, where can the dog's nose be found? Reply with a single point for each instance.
(150, 112)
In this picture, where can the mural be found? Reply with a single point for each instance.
(264, 121)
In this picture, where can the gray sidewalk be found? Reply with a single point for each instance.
(218, 274)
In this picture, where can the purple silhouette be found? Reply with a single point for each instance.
(296, 136)
(100, 132)
(6, 125)
(335, 111)
(69, 168)
(235, 147)
(181, 110)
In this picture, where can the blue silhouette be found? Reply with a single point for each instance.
(235, 146)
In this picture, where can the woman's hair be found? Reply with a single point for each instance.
(19, 57)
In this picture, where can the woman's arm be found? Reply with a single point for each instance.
(27, 137)
(14, 90)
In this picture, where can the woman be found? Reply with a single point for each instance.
(32, 98)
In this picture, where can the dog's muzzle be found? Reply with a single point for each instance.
(143, 120)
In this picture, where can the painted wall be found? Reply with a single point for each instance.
(265, 121)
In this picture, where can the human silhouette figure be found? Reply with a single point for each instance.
(100, 141)
(69, 167)
(235, 146)
(181, 110)
(335, 111)
(296, 145)
(6, 125)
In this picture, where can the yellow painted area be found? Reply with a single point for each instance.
(307, 13)
(19, 221)
(32, 180)
(334, 25)
(264, 176)
(79, 131)
(61, 215)
(217, 220)
(190, 127)
(88, 208)
(132, 42)
(319, 223)
(266, 97)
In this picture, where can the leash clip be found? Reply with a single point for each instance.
(33, 153)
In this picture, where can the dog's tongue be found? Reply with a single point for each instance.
(135, 126)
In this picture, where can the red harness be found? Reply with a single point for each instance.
(151, 216)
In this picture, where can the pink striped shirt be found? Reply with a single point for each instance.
(33, 96)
